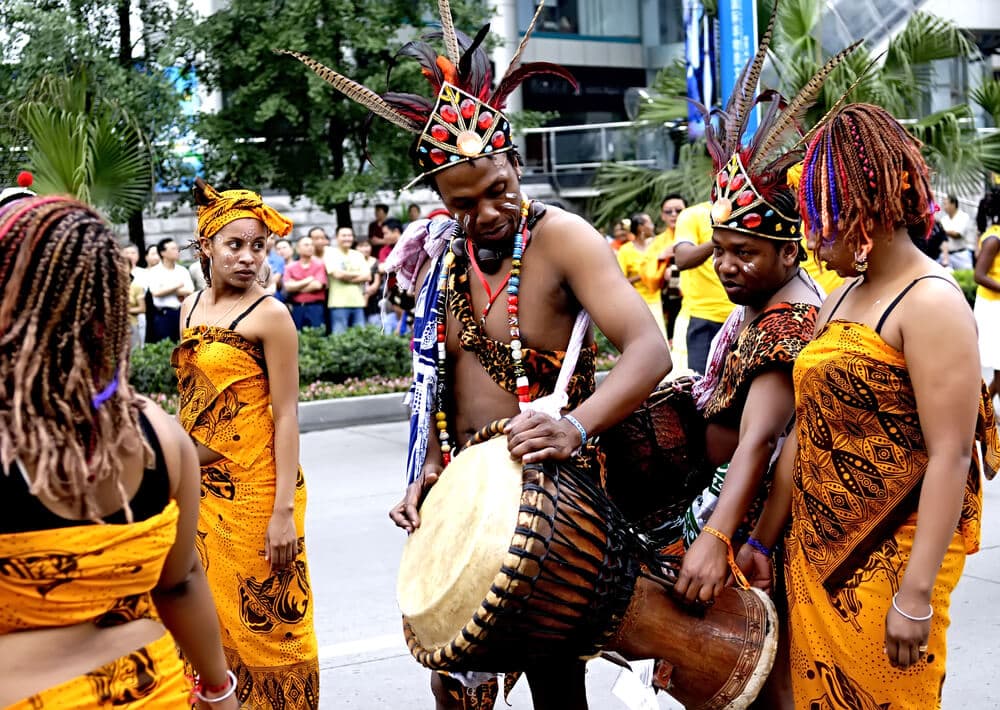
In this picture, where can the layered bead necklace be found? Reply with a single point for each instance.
(512, 283)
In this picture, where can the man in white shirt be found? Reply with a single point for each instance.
(168, 284)
(960, 247)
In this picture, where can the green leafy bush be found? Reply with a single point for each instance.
(358, 354)
(150, 371)
(966, 279)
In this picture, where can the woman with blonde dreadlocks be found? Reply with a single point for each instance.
(881, 478)
(238, 375)
(99, 578)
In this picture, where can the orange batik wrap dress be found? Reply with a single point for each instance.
(266, 617)
(857, 481)
(101, 574)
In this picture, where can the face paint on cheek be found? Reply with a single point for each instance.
(465, 223)
(509, 206)
(511, 195)
(747, 268)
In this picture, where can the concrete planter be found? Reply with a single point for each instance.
(352, 411)
(356, 411)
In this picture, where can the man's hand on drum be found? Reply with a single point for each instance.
(704, 570)
(534, 436)
(756, 567)
(404, 514)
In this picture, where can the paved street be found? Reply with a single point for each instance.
(355, 475)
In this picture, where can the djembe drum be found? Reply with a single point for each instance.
(656, 463)
(513, 566)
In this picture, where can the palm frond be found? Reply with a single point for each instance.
(951, 150)
(626, 189)
(987, 97)
(667, 101)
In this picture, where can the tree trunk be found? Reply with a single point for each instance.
(136, 232)
(124, 33)
(137, 235)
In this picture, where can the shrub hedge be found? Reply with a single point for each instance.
(966, 279)
(360, 353)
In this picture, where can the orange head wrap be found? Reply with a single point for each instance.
(217, 209)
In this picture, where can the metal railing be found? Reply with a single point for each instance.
(568, 156)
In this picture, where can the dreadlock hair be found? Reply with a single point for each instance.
(863, 171)
(64, 344)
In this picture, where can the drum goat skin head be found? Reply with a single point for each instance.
(466, 521)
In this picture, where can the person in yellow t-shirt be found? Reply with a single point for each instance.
(987, 308)
(705, 303)
(638, 261)
(670, 293)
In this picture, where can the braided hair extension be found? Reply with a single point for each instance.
(863, 172)
(64, 346)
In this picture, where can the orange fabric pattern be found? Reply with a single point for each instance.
(101, 574)
(266, 618)
(861, 451)
(861, 459)
(231, 205)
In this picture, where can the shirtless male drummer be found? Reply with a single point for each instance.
(521, 275)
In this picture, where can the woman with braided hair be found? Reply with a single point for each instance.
(238, 375)
(99, 579)
(880, 475)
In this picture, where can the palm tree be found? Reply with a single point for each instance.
(896, 80)
(84, 146)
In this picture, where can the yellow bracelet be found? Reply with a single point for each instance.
(731, 558)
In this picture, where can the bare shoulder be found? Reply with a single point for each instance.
(559, 224)
(268, 320)
(936, 297)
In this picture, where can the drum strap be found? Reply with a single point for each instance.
(553, 404)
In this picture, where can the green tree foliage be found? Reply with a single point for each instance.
(84, 146)
(52, 39)
(284, 128)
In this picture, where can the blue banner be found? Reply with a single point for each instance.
(737, 45)
(699, 48)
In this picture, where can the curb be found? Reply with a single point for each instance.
(352, 411)
(357, 411)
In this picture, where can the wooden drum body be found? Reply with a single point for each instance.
(510, 568)
(656, 463)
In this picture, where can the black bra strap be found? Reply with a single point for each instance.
(245, 313)
(841, 299)
(899, 297)
(197, 297)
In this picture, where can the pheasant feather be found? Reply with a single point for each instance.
(448, 28)
(792, 117)
(516, 60)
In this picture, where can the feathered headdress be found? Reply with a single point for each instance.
(465, 120)
(751, 178)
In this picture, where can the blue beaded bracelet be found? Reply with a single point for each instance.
(579, 427)
(759, 546)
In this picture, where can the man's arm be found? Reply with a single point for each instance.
(769, 408)
(688, 255)
(593, 276)
(186, 287)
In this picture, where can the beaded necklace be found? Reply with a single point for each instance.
(513, 282)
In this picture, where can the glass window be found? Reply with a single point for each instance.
(584, 18)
